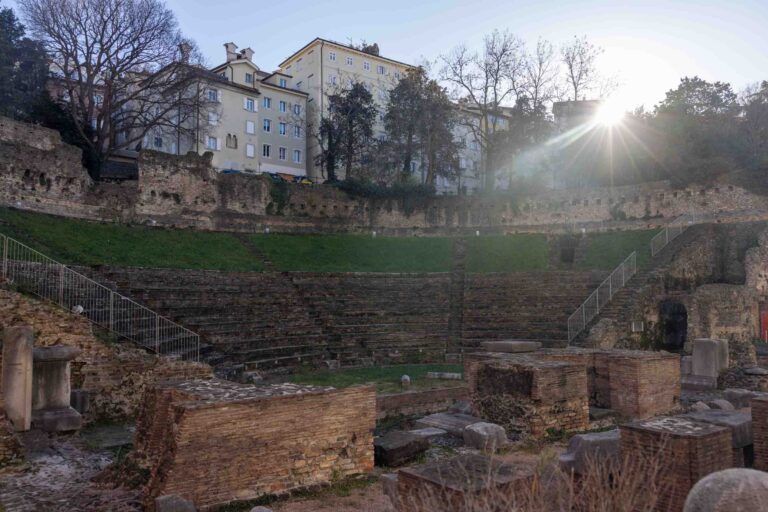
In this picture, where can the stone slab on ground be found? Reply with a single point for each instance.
(61, 419)
(173, 503)
(740, 398)
(398, 447)
(597, 447)
(444, 375)
(107, 437)
(740, 424)
(453, 423)
(456, 483)
(428, 433)
(511, 346)
(698, 382)
(487, 437)
(598, 413)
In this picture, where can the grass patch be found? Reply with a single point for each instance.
(386, 378)
(82, 242)
(606, 250)
(510, 253)
(356, 253)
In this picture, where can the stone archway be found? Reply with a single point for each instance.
(673, 321)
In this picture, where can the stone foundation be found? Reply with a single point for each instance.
(678, 452)
(214, 442)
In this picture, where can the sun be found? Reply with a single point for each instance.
(610, 113)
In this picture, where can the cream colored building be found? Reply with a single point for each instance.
(323, 67)
(255, 121)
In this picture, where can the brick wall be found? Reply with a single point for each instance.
(421, 402)
(678, 452)
(115, 374)
(215, 442)
(760, 432)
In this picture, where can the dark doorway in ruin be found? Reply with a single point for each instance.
(673, 320)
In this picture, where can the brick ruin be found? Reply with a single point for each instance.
(760, 432)
(554, 388)
(677, 452)
(214, 442)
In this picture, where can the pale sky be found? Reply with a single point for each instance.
(649, 45)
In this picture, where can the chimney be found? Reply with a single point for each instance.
(231, 51)
(247, 54)
(185, 49)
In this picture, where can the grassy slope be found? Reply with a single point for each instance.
(387, 379)
(89, 243)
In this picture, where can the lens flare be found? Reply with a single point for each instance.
(610, 113)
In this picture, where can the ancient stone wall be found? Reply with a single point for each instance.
(41, 173)
(427, 401)
(756, 265)
(114, 374)
(760, 432)
(215, 442)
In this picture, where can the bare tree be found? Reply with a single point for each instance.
(483, 84)
(123, 65)
(579, 58)
(541, 75)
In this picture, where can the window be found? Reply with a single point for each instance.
(281, 106)
(332, 56)
(249, 78)
(349, 61)
(265, 150)
(249, 104)
(297, 156)
(250, 127)
(281, 154)
(212, 143)
(250, 150)
(267, 102)
(281, 129)
(366, 65)
(283, 83)
(397, 75)
(381, 69)
(213, 118)
(297, 109)
(158, 142)
(332, 79)
(213, 95)
(267, 125)
(297, 131)
(231, 141)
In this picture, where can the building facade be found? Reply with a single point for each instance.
(253, 122)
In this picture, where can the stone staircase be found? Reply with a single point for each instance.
(625, 301)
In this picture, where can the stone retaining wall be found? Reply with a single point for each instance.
(215, 442)
(421, 402)
(38, 172)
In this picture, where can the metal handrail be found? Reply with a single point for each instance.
(36, 273)
(670, 232)
(599, 298)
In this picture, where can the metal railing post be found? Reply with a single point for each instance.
(157, 334)
(61, 284)
(111, 310)
(5, 257)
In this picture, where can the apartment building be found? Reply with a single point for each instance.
(324, 67)
(254, 122)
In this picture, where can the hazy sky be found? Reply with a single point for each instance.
(648, 44)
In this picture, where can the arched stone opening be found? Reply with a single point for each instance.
(673, 320)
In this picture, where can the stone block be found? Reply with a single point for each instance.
(429, 433)
(61, 419)
(511, 346)
(487, 437)
(595, 447)
(80, 400)
(453, 423)
(741, 398)
(260, 509)
(462, 407)
(698, 383)
(730, 490)
(395, 448)
(721, 404)
(17, 375)
(710, 357)
(444, 375)
(740, 424)
(686, 365)
(700, 406)
(173, 503)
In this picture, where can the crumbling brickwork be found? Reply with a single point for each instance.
(531, 395)
(114, 374)
(214, 441)
(678, 452)
(760, 432)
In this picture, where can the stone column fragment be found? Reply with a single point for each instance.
(17, 375)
